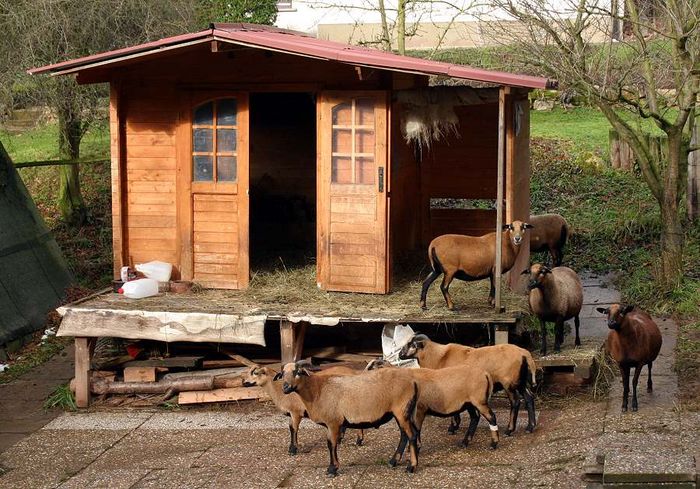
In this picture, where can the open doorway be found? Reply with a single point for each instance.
(282, 180)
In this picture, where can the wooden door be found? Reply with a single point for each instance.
(352, 192)
(213, 190)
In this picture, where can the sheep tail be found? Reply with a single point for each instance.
(565, 232)
(528, 372)
(411, 408)
(434, 261)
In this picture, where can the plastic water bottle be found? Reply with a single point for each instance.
(156, 270)
(137, 289)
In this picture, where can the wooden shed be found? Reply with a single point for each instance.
(241, 140)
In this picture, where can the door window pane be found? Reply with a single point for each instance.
(342, 141)
(364, 171)
(364, 141)
(342, 114)
(226, 140)
(226, 111)
(203, 140)
(204, 114)
(341, 169)
(203, 168)
(226, 168)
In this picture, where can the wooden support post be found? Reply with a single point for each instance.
(292, 340)
(82, 371)
(499, 193)
(501, 337)
(694, 175)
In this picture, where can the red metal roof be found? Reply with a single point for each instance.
(296, 43)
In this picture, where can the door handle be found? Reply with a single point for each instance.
(380, 177)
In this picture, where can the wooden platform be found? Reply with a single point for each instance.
(573, 366)
(230, 316)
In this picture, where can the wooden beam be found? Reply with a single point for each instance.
(222, 395)
(82, 372)
(140, 374)
(286, 341)
(299, 340)
(499, 193)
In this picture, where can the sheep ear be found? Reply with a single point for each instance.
(525, 272)
(627, 309)
(602, 310)
(278, 376)
(420, 340)
(304, 372)
(527, 225)
(546, 270)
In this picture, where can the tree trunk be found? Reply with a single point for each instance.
(672, 235)
(401, 27)
(70, 200)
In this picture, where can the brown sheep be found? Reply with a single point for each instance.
(512, 369)
(556, 294)
(291, 405)
(471, 258)
(449, 391)
(368, 400)
(550, 234)
(634, 340)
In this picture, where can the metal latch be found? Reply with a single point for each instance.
(380, 170)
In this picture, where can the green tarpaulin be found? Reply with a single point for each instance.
(33, 273)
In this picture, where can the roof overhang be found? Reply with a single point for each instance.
(296, 44)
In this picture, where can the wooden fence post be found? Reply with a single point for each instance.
(694, 176)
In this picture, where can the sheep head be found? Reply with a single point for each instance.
(293, 375)
(413, 348)
(258, 376)
(516, 231)
(616, 313)
(538, 274)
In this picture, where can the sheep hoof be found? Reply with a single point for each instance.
(292, 450)
(359, 442)
(332, 471)
(452, 430)
(424, 307)
(463, 444)
(392, 462)
(624, 409)
(508, 432)
(634, 408)
(494, 445)
(411, 469)
(530, 429)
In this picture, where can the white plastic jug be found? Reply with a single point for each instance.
(156, 270)
(137, 289)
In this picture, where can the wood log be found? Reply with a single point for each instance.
(217, 373)
(177, 362)
(222, 395)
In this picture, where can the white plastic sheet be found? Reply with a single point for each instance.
(394, 337)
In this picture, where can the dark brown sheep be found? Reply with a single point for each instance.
(634, 340)
(471, 258)
(550, 234)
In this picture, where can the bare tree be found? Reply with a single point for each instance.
(41, 32)
(637, 62)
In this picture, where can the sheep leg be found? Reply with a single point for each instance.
(294, 420)
(558, 335)
(332, 441)
(625, 386)
(543, 326)
(398, 454)
(489, 416)
(635, 381)
(577, 324)
(514, 399)
(407, 427)
(445, 289)
(455, 421)
(530, 405)
(473, 423)
(360, 438)
(492, 291)
(434, 274)
(650, 387)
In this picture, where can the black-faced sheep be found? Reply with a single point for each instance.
(550, 234)
(512, 369)
(634, 340)
(356, 401)
(556, 295)
(471, 258)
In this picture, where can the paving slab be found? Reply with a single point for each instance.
(119, 478)
(121, 421)
(648, 468)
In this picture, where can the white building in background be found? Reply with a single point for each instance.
(432, 23)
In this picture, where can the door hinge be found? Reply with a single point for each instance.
(380, 172)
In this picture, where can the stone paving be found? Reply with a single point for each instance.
(246, 445)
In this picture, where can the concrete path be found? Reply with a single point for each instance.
(22, 400)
